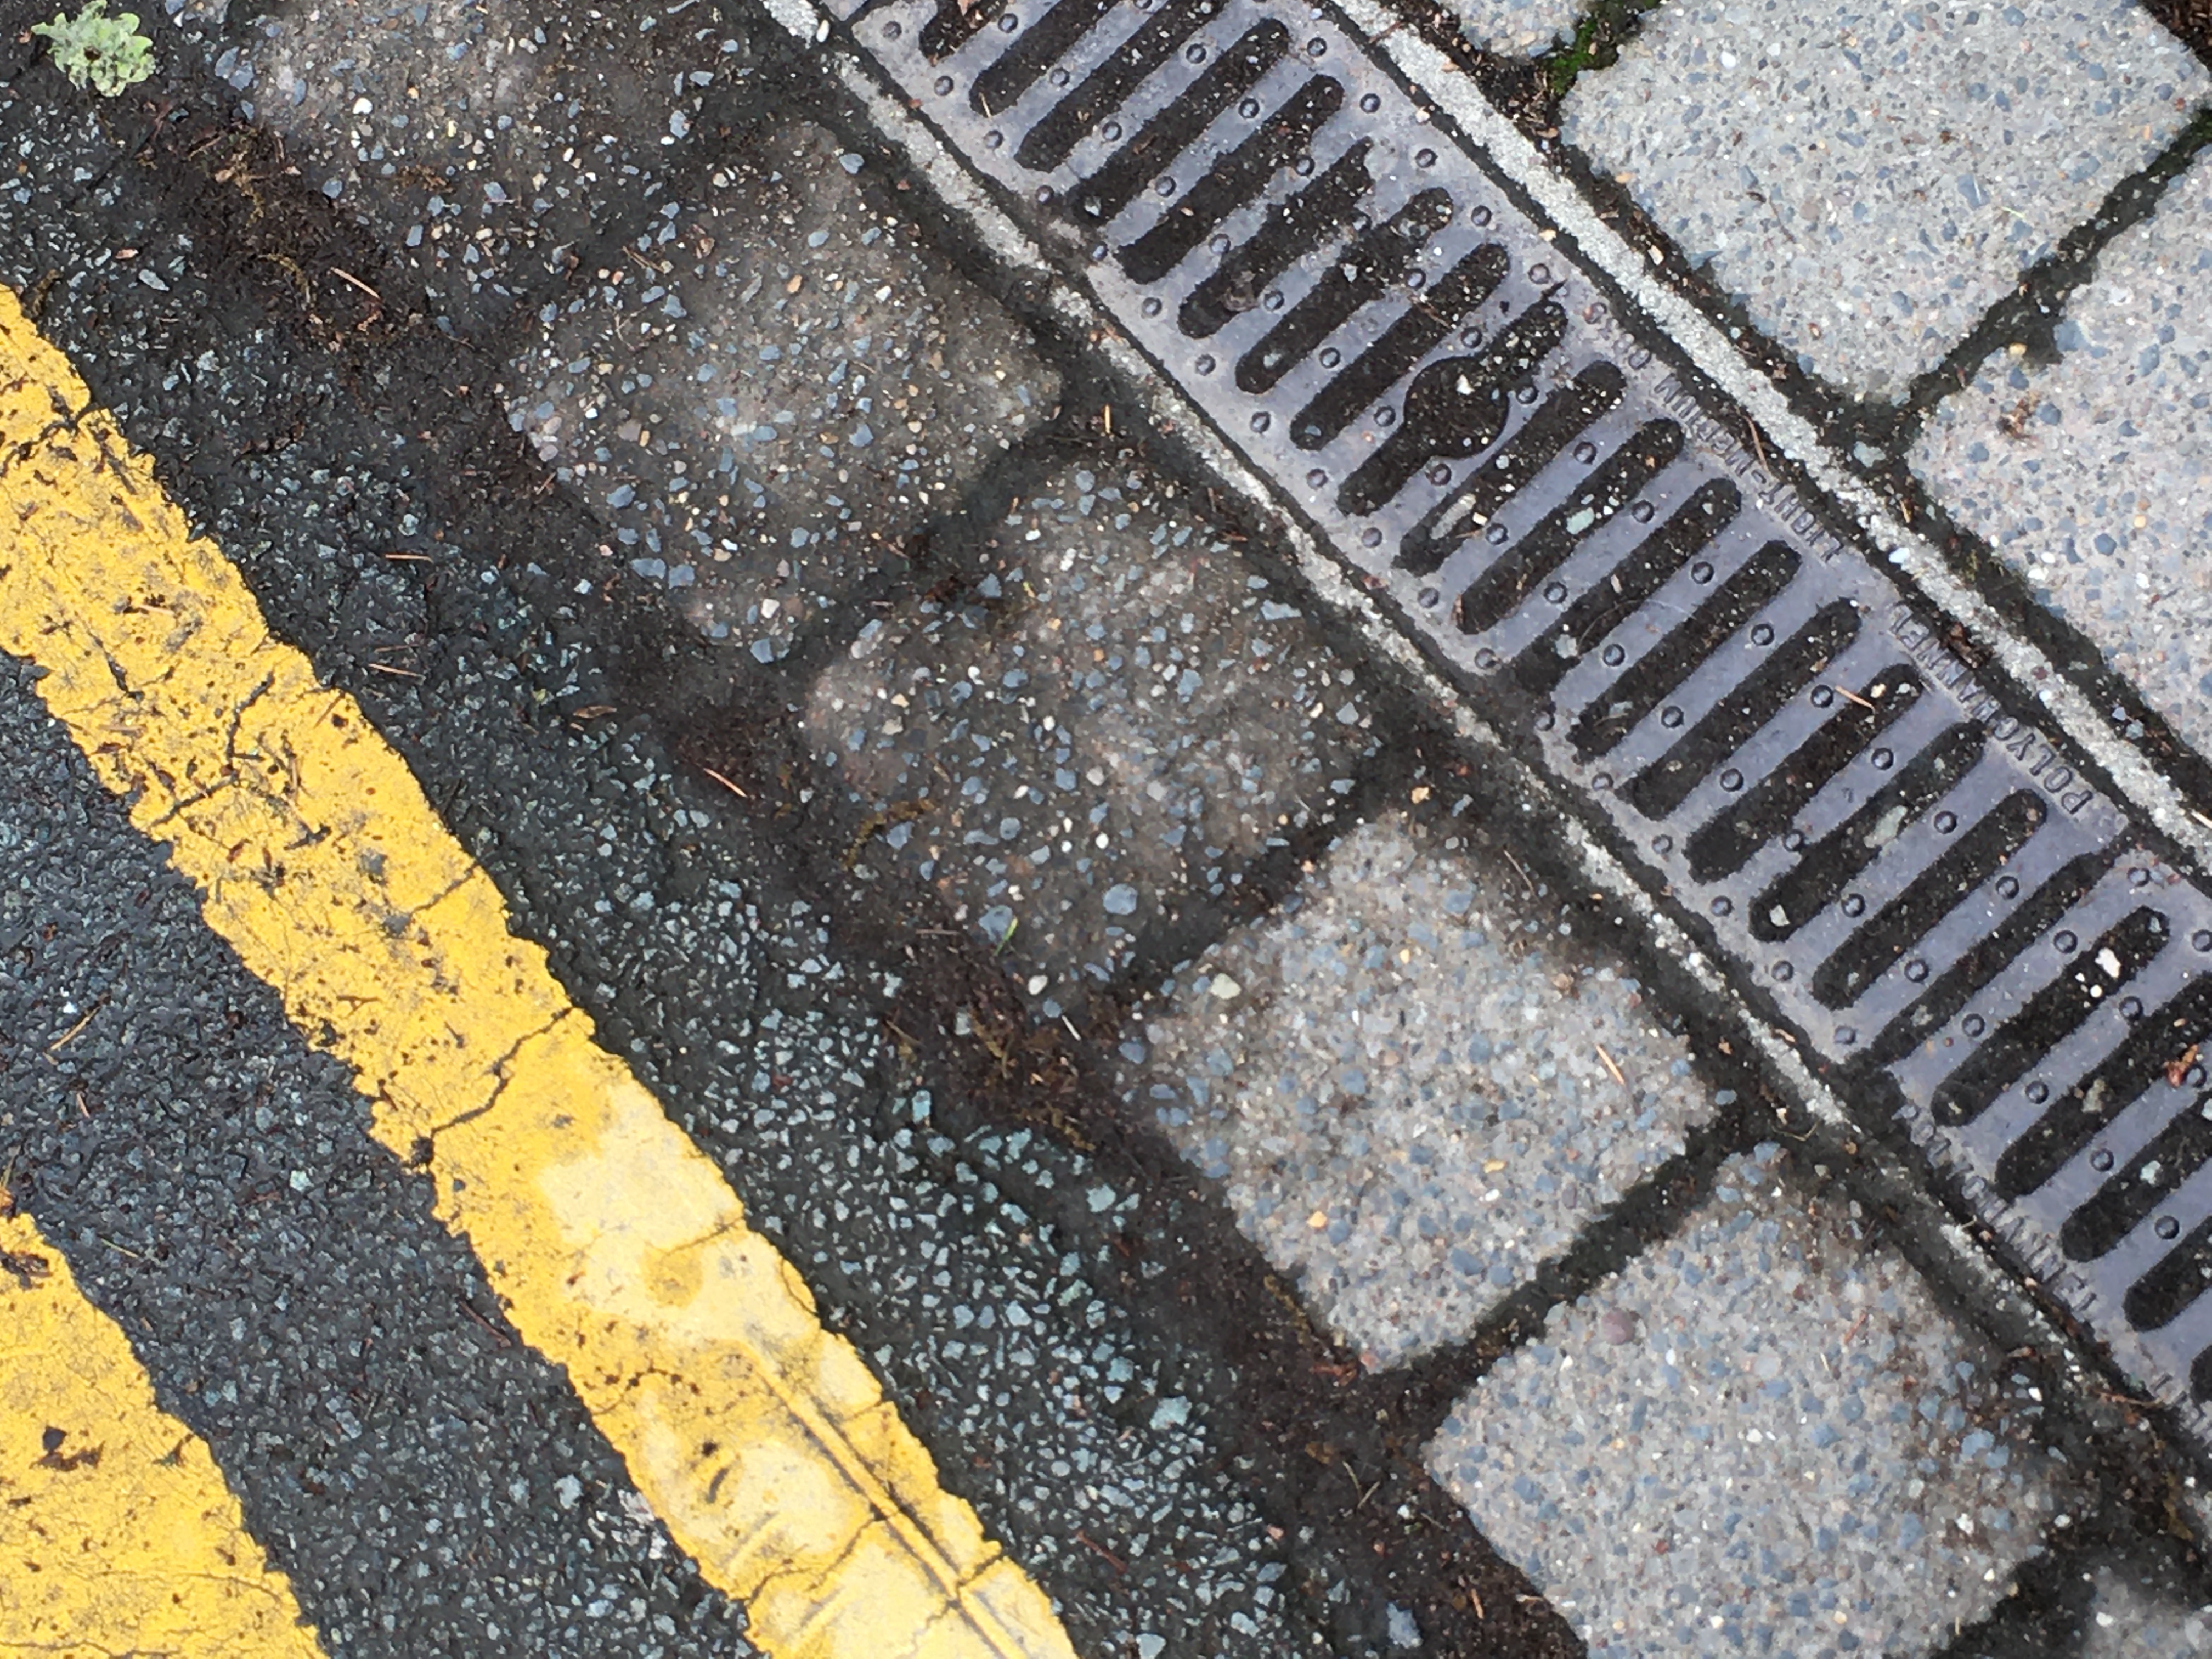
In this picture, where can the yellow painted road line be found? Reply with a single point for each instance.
(762, 1439)
(117, 1534)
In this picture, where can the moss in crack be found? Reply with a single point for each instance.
(1606, 26)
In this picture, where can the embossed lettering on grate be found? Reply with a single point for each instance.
(1902, 869)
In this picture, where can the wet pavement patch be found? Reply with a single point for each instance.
(1097, 731)
(769, 389)
(482, 146)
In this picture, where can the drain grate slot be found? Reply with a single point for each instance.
(1036, 49)
(1833, 863)
(1106, 194)
(1567, 414)
(1629, 702)
(1742, 712)
(1234, 181)
(2163, 1294)
(2129, 1197)
(1311, 217)
(2050, 1015)
(1609, 601)
(1510, 578)
(2151, 1045)
(1939, 889)
(1106, 88)
(951, 27)
(1627, 580)
(1379, 257)
(1996, 951)
(1725, 843)
(1411, 339)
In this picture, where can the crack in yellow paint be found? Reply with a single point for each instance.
(618, 1248)
(141, 1551)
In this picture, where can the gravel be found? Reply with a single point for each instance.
(765, 391)
(1107, 724)
(1403, 1079)
(2092, 476)
(1794, 1450)
(1868, 182)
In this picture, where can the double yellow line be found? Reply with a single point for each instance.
(761, 1439)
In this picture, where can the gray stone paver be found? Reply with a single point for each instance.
(1870, 180)
(767, 389)
(1761, 1437)
(1404, 1082)
(1518, 28)
(1109, 724)
(2093, 478)
(483, 139)
(2132, 1619)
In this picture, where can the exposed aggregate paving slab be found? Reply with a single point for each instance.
(1869, 180)
(774, 384)
(1518, 28)
(1108, 724)
(2093, 476)
(1762, 1437)
(1403, 1082)
(2130, 1619)
(486, 142)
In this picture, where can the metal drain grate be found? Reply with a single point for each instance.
(1911, 875)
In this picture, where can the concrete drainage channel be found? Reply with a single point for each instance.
(1928, 893)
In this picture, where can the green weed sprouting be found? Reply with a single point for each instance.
(93, 49)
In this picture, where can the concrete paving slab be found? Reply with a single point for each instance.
(1113, 721)
(2093, 476)
(1413, 1093)
(1765, 1438)
(2132, 1618)
(1869, 180)
(764, 392)
(484, 140)
(1518, 28)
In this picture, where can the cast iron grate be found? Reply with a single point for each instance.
(1909, 874)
